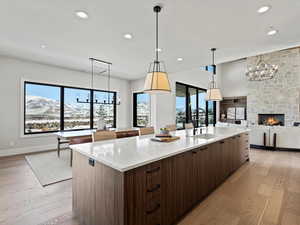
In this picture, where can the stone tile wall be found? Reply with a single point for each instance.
(280, 94)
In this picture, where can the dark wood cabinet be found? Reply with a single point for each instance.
(159, 193)
(142, 188)
(245, 146)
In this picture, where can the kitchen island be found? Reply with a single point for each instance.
(135, 181)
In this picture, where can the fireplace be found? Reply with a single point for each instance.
(271, 119)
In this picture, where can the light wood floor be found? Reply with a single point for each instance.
(265, 191)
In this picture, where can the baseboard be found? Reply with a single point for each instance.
(274, 149)
(24, 150)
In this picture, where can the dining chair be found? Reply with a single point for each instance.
(104, 135)
(189, 126)
(76, 141)
(146, 130)
(171, 127)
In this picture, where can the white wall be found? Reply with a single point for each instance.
(233, 81)
(13, 71)
(163, 106)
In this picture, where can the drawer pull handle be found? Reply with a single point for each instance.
(222, 142)
(154, 189)
(203, 148)
(194, 152)
(153, 170)
(91, 162)
(153, 210)
(239, 135)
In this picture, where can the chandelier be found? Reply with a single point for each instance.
(261, 71)
(109, 100)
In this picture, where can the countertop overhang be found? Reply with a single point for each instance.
(128, 153)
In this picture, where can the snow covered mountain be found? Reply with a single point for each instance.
(44, 107)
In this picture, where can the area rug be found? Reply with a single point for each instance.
(50, 169)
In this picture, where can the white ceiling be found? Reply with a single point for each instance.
(188, 29)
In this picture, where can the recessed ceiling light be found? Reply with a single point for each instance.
(158, 49)
(179, 59)
(272, 31)
(43, 46)
(128, 36)
(264, 9)
(82, 14)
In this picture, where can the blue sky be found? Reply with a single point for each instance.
(71, 95)
(180, 101)
(143, 97)
(40, 90)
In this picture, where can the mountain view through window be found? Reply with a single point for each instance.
(45, 103)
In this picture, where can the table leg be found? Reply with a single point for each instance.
(58, 147)
(71, 157)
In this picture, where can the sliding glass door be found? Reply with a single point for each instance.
(201, 108)
(191, 107)
(141, 109)
(181, 104)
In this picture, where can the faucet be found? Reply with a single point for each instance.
(194, 129)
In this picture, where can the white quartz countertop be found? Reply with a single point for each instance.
(128, 153)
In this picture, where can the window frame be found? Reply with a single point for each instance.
(135, 94)
(62, 100)
(187, 102)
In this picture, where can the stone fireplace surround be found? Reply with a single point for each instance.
(279, 95)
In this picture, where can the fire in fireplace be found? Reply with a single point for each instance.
(271, 119)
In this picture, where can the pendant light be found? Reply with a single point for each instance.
(157, 80)
(213, 92)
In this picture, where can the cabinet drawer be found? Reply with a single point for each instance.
(153, 212)
(154, 219)
(153, 176)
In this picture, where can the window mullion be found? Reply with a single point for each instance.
(62, 108)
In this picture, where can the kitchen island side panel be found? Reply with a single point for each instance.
(98, 193)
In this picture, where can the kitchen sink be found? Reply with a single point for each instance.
(205, 136)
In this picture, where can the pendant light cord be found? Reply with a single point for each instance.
(92, 84)
(108, 83)
(156, 49)
(214, 66)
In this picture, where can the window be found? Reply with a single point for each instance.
(42, 108)
(201, 107)
(141, 109)
(76, 115)
(51, 108)
(191, 106)
(211, 112)
(104, 112)
(180, 105)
